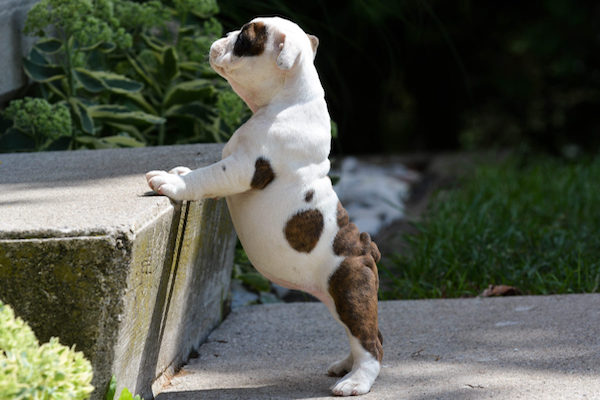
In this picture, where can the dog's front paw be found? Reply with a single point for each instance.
(168, 184)
(180, 171)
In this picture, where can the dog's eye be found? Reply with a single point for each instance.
(251, 40)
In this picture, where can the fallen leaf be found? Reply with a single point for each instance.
(500, 290)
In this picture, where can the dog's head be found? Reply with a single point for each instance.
(257, 59)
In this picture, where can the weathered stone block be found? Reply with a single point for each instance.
(134, 281)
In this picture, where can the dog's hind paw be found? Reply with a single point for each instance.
(359, 380)
(351, 386)
(341, 367)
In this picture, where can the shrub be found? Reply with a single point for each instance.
(130, 74)
(30, 371)
(111, 393)
(40, 122)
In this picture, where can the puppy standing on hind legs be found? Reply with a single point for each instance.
(273, 174)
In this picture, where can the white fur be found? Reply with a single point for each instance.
(365, 369)
(290, 127)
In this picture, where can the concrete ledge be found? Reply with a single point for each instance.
(496, 348)
(135, 281)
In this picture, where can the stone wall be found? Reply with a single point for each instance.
(13, 46)
(134, 280)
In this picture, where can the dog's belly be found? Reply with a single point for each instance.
(262, 221)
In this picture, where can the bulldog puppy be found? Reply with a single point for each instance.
(273, 174)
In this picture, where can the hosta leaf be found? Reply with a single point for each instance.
(191, 110)
(139, 100)
(190, 66)
(143, 73)
(83, 115)
(117, 84)
(154, 45)
(94, 142)
(92, 46)
(42, 73)
(109, 142)
(129, 129)
(15, 140)
(49, 46)
(124, 115)
(88, 80)
(96, 81)
(170, 67)
(186, 92)
(37, 57)
(62, 143)
(187, 31)
(123, 141)
(106, 47)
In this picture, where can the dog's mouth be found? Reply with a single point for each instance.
(214, 64)
(219, 70)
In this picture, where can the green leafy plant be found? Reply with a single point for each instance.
(32, 371)
(125, 393)
(132, 74)
(42, 123)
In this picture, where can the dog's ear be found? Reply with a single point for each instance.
(314, 42)
(289, 52)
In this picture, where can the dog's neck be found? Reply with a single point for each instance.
(299, 85)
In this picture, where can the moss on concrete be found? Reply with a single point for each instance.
(70, 288)
(134, 281)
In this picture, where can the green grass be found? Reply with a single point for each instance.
(534, 225)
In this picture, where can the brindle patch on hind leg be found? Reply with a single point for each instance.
(353, 287)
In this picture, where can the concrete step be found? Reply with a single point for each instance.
(545, 347)
(136, 282)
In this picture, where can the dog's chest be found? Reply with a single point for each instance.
(286, 222)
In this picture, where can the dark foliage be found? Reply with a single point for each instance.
(417, 74)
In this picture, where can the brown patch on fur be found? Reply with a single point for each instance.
(308, 196)
(349, 242)
(251, 40)
(304, 229)
(263, 174)
(353, 287)
(342, 216)
(354, 284)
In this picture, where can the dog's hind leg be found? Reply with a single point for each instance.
(341, 367)
(353, 287)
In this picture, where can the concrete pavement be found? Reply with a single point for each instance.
(538, 347)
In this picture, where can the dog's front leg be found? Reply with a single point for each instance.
(226, 177)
